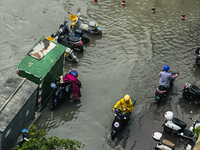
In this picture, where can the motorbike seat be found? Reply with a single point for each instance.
(188, 133)
(71, 34)
(73, 39)
(168, 143)
(92, 24)
(195, 89)
(179, 123)
(79, 31)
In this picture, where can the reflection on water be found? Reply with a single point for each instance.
(127, 58)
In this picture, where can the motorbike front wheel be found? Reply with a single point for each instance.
(86, 40)
(82, 48)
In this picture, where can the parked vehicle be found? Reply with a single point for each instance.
(22, 138)
(78, 23)
(176, 126)
(68, 40)
(69, 54)
(161, 93)
(165, 144)
(191, 93)
(63, 87)
(119, 122)
(75, 32)
(197, 51)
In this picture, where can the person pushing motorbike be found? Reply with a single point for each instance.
(166, 77)
(126, 105)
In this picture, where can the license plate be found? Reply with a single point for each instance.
(157, 97)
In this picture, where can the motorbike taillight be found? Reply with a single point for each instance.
(80, 43)
(185, 87)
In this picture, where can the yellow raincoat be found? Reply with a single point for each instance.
(124, 107)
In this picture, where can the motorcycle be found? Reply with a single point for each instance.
(191, 93)
(69, 41)
(119, 122)
(197, 51)
(165, 144)
(176, 126)
(161, 92)
(69, 54)
(65, 86)
(76, 32)
(78, 23)
(22, 138)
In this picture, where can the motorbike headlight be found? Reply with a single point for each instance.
(53, 85)
(116, 124)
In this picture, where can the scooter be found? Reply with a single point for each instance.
(58, 92)
(69, 41)
(78, 23)
(75, 32)
(197, 51)
(191, 93)
(119, 122)
(67, 86)
(22, 138)
(69, 54)
(165, 144)
(161, 92)
(176, 126)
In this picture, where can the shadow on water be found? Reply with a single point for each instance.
(66, 111)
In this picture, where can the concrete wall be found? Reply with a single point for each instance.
(17, 109)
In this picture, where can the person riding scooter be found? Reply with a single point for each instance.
(126, 105)
(166, 78)
(72, 77)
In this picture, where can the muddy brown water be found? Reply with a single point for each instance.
(127, 58)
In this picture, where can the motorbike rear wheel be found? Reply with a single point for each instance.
(51, 105)
(187, 96)
(198, 61)
(113, 134)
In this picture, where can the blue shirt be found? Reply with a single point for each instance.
(165, 78)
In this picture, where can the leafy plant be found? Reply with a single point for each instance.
(39, 141)
(196, 131)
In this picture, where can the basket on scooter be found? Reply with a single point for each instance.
(73, 17)
(168, 143)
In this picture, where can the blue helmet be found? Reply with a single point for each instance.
(166, 68)
(53, 85)
(74, 72)
(24, 130)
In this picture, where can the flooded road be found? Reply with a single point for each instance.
(126, 59)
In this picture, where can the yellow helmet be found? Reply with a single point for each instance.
(73, 24)
(127, 98)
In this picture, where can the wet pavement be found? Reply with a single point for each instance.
(126, 59)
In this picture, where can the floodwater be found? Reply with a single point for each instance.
(126, 59)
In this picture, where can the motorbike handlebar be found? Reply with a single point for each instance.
(195, 121)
